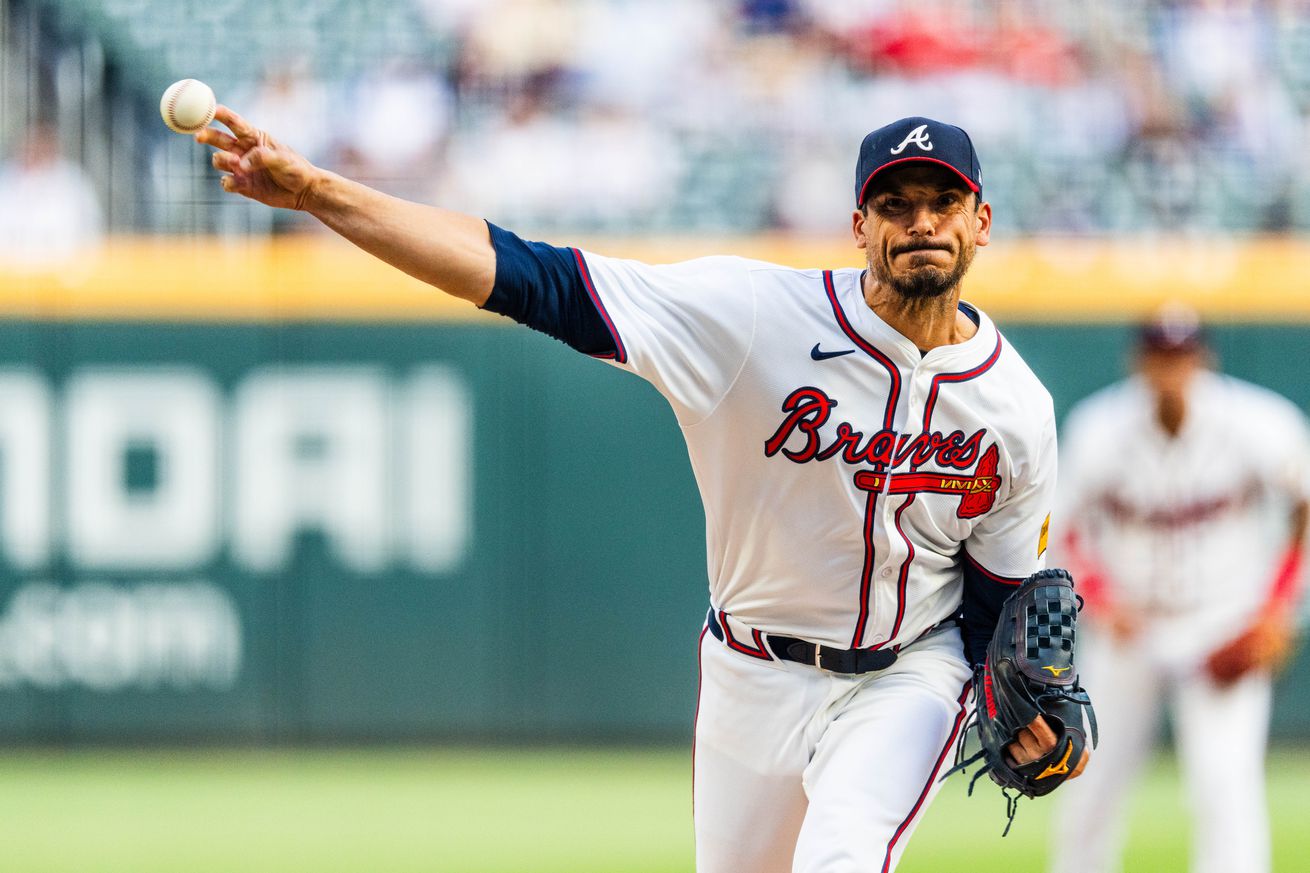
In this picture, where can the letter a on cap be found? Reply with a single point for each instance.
(918, 136)
(935, 142)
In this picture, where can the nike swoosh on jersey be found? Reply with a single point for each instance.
(823, 356)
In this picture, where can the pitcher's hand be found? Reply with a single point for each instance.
(1036, 742)
(258, 166)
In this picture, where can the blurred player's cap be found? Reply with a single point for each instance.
(1175, 327)
(916, 139)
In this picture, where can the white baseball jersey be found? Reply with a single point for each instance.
(1188, 525)
(845, 475)
(1184, 530)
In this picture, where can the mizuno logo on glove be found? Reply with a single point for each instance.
(1061, 768)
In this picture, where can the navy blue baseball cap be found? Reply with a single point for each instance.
(916, 139)
(1175, 327)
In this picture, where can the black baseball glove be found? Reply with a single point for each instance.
(1029, 672)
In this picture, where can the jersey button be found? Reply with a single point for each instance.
(886, 572)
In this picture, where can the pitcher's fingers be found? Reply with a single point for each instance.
(1042, 733)
(1031, 746)
(234, 122)
(225, 161)
(235, 184)
(212, 136)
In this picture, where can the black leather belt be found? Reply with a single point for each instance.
(851, 661)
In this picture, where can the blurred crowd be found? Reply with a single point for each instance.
(49, 208)
(632, 116)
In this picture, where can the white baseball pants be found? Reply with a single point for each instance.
(798, 770)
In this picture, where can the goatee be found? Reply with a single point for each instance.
(923, 283)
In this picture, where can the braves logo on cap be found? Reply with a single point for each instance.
(944, 145)
(918, 136)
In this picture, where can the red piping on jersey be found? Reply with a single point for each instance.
(932, 779)
(1287, 579)
(695, 719)
(894, 393)
(903, 577)
(620, 354)
(758, 652)
(1091, 579)
(1004, 580)
(866, 574)
(888, 418)
(864, 189)
(905, 569)
(964, 376)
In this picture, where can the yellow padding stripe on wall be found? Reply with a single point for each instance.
(322, 279)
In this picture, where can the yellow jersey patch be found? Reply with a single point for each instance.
(1041, 540)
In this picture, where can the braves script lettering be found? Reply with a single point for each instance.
(809, 409)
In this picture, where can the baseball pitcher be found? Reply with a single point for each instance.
(877, 466)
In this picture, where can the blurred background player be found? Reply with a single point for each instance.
(1184, 491)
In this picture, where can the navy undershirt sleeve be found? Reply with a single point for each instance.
(540, 286)
(983, 597)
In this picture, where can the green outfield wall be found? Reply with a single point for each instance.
(273, 491)
(349, 531)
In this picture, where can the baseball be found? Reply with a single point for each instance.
(187, 106)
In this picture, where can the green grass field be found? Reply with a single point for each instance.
(485, 811)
